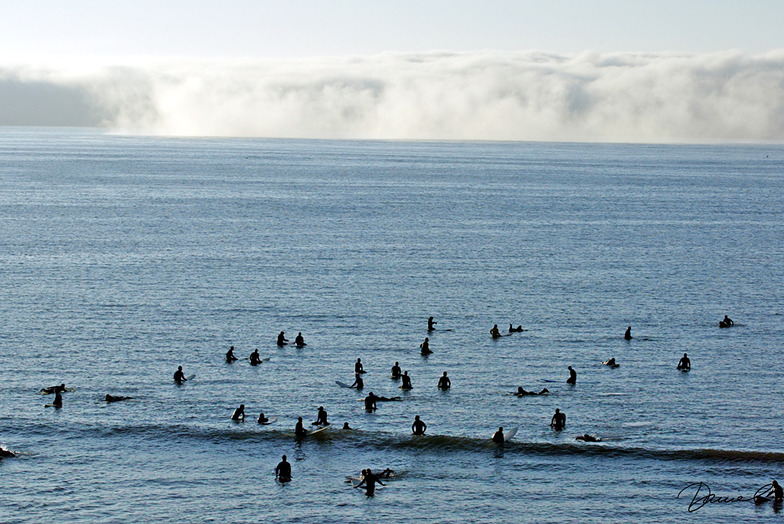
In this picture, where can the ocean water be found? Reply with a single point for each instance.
(123, 257)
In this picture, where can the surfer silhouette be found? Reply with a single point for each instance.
(239, 413)
(572, 380)
(684, 364)
(628, 334)
(444, 382)
(179, 376)
(431, 324)
(283, 470)
(230, 355)
(498, 436)
(558, 422)
(418, 427)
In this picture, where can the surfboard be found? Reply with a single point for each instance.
(343, 384)
(319, 430)
(270, 420)
(548, 380)
(51, 406)
(511, 433)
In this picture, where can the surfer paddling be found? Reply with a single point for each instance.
(53, 389)
(116, 398)
(518, 329)
(523, 393)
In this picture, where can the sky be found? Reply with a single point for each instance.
(588, 70)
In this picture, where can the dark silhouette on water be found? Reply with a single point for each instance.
(283, 470)
(558, 422)
(113, 398)
(358, 382)
(262, 419)
(282, 340)
(628, 334)
(572, 380)
(727, 322)
(498, 436)
(369, 480)
(522, 393)
(299, 429)
(406, 381)
(358, 367)
(230, 355)
(444, 382)
(518, 329)
(54, 389)
(239, 413)
(587, 438)
(494, 332)
(431, 324)
(179, 376)
(321, 418)
(425, 347)
(396, 371)
(418, 427)
(684, 364)
(299, 340)
(254, 358)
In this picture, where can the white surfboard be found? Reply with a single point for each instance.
(319, 430)
(342, 384)
(511, 433)
(270, 420)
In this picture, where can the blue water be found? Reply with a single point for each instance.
(122, 258)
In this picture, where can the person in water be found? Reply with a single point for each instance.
(254, 358)
(262, 419)
(346, 426)
(179, 376)
(299, 340)
(425, 347)
(4, 453)
(684, 364)
(628, 334)
(358, 367)
(558, 422)
(321, 418)
(299, 429)
(444, 382)
(611, 363)
(776, 491)
(498, 436)
(572, 380)
(431, 324)
(54, 389)
(369, 481)
(587, 438)
(58, 400)
(727, 322)
(283, 470)
(406, 381)
(358, 382)
(370, 403)
(522, 393)
(282, 340)
(518, 329)
(230, 355)
(239, 413)
(113, 398)
(494, 332)
(418, 427)
(396, 371)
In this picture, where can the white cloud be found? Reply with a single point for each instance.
(484, 95)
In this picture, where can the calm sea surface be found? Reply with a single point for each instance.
(122, 258)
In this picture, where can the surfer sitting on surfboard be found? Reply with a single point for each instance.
(431, 323)
(572, 376)
(418, 427)
(321, 418)
(262, 419)
(494, 332)
(358, 368)
(396, 371)
(239, 413)
(684, 364)
(425, 347)
(628, 334)
(179, 376)
(282, 340)
(299, 340)
(727, 322)
(230, 355)
(406, 381)
(254, 357)
(444, 382)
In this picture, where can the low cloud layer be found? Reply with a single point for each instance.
(488, 95)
